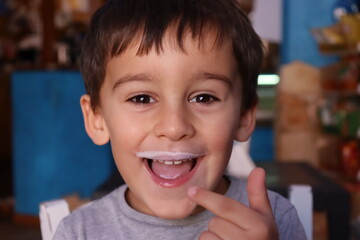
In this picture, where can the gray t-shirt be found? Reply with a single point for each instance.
(112, 218)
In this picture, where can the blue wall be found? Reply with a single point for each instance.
(52, 155)
(262, 144)
(299, 17)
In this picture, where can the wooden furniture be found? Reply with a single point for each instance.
(328, 196)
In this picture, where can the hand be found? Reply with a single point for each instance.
(233, 219)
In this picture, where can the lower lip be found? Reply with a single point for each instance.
(171, 183)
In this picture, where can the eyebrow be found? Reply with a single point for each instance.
(142, 77)
(214, 76)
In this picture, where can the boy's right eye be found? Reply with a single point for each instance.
(141, 99)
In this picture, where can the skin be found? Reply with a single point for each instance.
(180, 102)
(234, 220)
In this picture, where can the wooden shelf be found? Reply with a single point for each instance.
(341, 52)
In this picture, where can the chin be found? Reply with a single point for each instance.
(175, 210)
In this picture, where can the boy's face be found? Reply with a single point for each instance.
(171, 118)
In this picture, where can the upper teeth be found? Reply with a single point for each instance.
(170, 162)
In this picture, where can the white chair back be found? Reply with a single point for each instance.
(51, 214)
(302, 198)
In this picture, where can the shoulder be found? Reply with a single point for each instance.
(94, 210)
(286, 217)
(280, 205)
(99, 214)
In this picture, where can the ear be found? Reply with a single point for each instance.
(95, 125)
(246, 126)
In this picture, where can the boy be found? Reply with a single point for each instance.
(171, 84)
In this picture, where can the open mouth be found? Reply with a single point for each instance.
(170, 169)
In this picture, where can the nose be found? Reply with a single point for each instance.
(174, 123)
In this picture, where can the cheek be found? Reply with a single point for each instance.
(125, 141)
(222, 151)
(124, 126)
(222, 131)
(125, 136)
(221, 143)
(221, 135)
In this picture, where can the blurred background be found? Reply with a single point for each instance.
(308, 123)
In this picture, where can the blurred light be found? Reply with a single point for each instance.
(268, 79)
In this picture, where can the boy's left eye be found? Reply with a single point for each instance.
(204, 98)
(142, 99)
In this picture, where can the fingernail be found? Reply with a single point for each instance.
(192, 191)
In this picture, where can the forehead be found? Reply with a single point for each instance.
(174, 36)
(207, 45)
(187, 68)
(208, 42)
(197, 60)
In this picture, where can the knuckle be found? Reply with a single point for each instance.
(213, 223)
(226, 208)
(206, 236)
(265, 230)
(202, 236)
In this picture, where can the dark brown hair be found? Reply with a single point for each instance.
(119, 23)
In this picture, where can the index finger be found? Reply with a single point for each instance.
(222, 206)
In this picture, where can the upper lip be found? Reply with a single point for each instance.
(165, 155)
